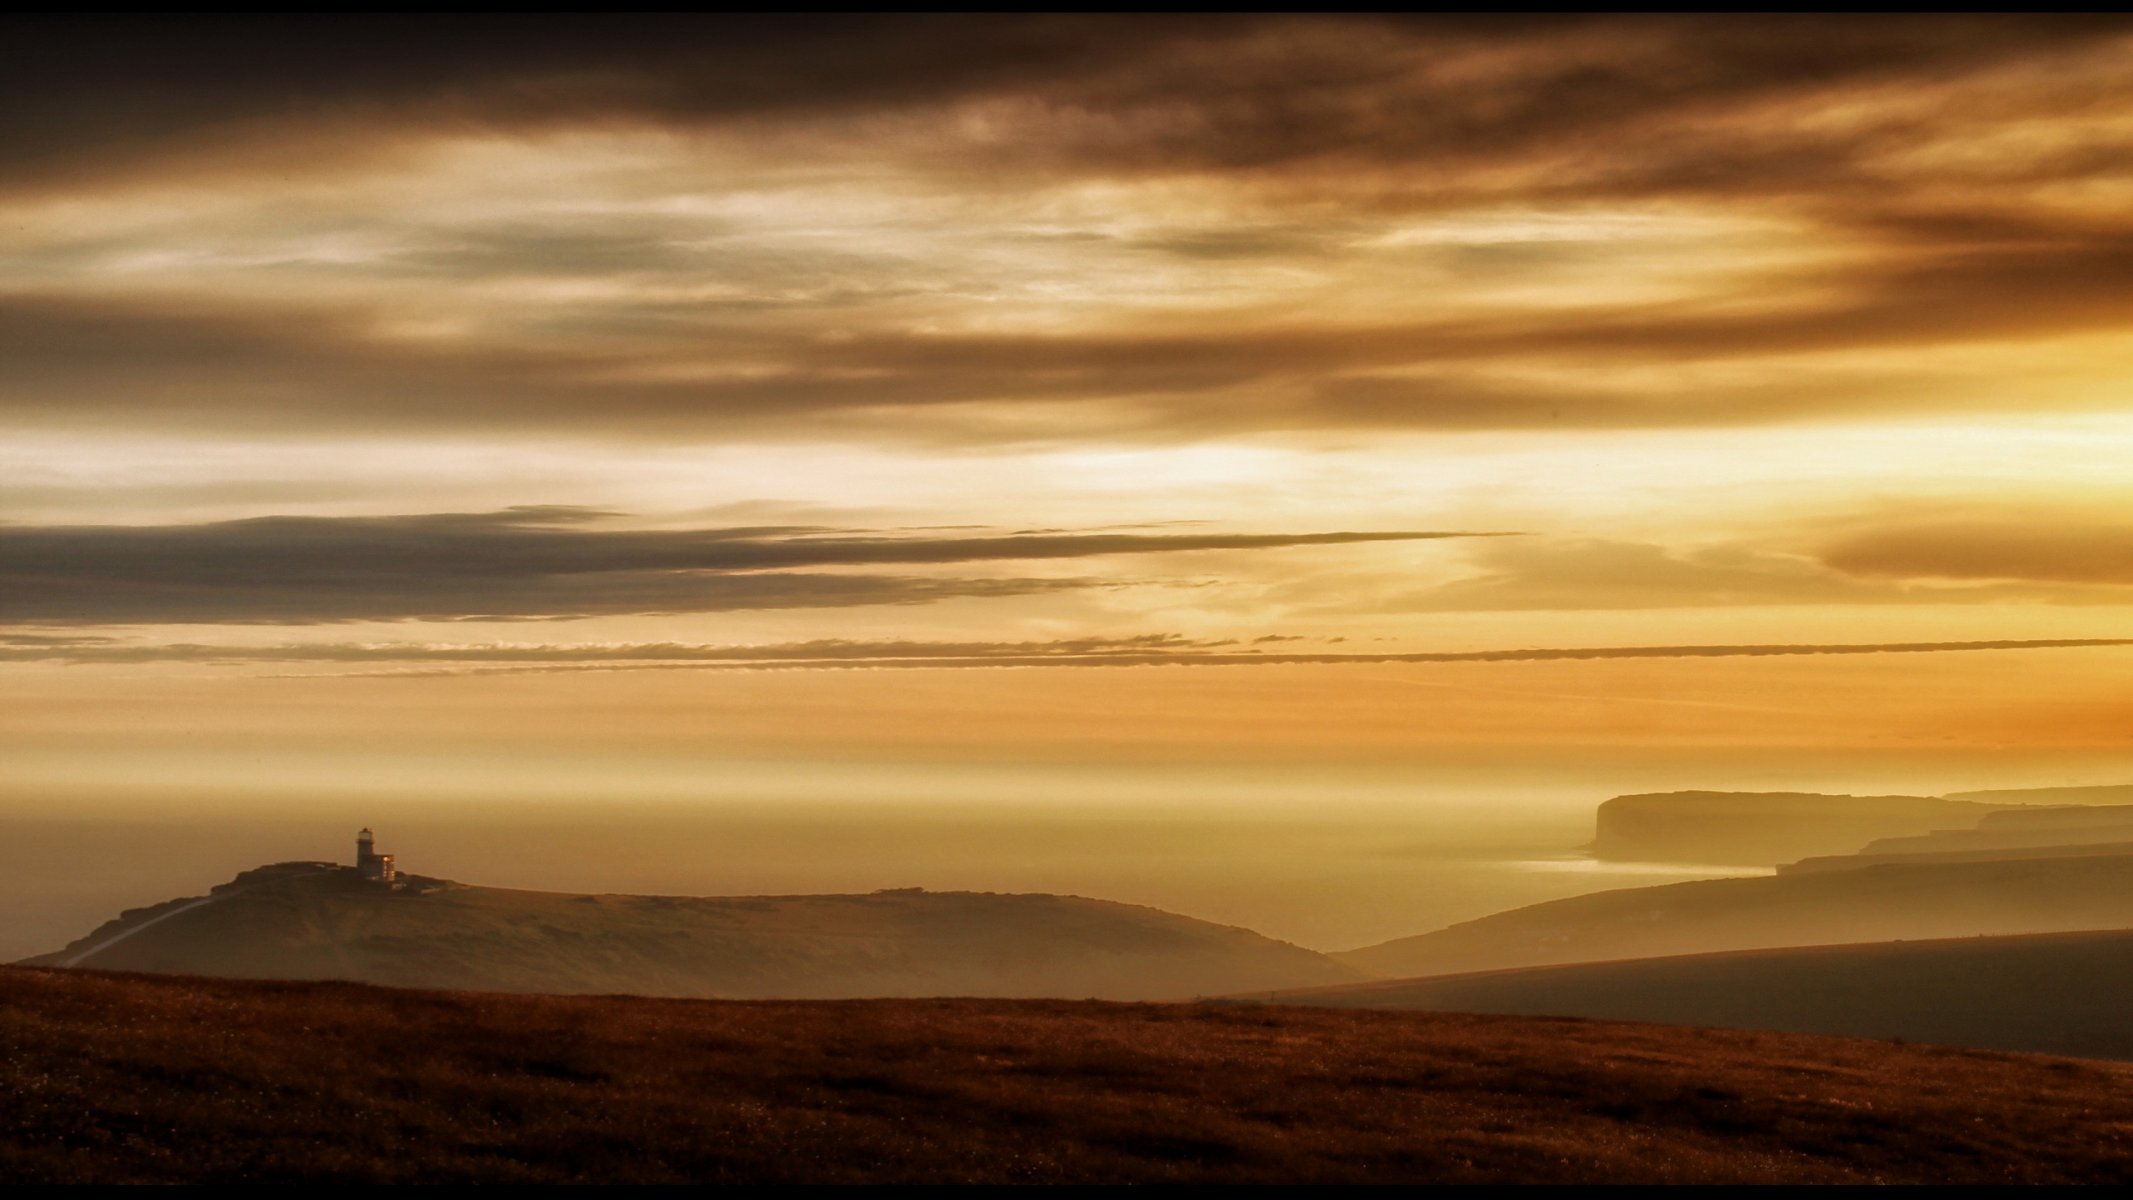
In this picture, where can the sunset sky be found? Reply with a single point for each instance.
(528, 407)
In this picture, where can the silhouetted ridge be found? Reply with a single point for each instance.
(1873, 904)
(318, 921)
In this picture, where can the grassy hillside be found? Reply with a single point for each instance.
(1872, 904)
(2056, 993)
(299, 921)
(108, 1078)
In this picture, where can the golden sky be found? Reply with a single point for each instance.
(995, 390)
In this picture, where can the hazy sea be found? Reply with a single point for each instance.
(1329, 856)
(1285, 853)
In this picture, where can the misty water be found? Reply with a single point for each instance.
(1325, 867)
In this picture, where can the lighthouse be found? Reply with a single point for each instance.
(369, 863)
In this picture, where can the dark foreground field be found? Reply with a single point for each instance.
(2047, 993)
(137, 1078)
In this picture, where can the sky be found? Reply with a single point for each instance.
(662, 406)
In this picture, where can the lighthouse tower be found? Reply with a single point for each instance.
(369, 863)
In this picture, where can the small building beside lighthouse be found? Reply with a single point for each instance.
(369, 863)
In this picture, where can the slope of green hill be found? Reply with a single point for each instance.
(114, 1078)
(2055, 993)
(312, 921)
(1888, 902)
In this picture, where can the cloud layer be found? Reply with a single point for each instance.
(839, 654)
(525, 563)
(2049, 548)
(995, 229)
(1146, 93)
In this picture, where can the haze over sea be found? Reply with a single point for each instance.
(1326, 859)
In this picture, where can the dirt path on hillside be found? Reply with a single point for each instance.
(158, 919)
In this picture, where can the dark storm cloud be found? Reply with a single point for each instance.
(525, 563)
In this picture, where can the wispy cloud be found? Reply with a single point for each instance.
(1236, 92)
(1944, 563)
(1888, 183)
(1991, 547)
(822, 650)
(1218, 658)
(431, 659)
(526, 563)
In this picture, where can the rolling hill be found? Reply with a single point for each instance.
(1876, 903)
(316, 921)
(132, 1079)
(2056, 993)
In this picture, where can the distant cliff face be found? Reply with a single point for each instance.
(2061, 831)
(312, 921)
(1765, 828)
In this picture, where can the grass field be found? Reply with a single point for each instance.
(2047, 993)
(151, 1078)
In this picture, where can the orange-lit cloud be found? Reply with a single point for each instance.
(982, 341)
(1085, 228)
(2071, 548)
